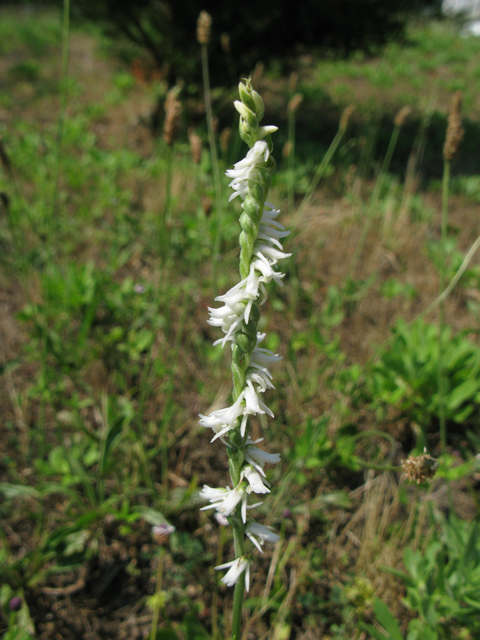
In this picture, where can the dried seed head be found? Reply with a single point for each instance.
(402, 116)
(454, 129)
(225, 42)
(204, 24)
(207, 205)
(295, 102)
(287, 149)
(215, 125)
(257, 74)
(195, 145)
(173, 109)
(420, 468)
(345, 119)
(225, 139)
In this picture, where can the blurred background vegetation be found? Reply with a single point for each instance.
(106, 356)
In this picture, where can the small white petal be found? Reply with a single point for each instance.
(235, 570)
(254, 480)
(265, 534)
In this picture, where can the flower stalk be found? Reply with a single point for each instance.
(260, 250)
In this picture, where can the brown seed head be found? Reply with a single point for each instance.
(402, 116)
(204, 24)
(295, 102)
(195, 145)
(454, 129)
(287, 149)
(225, 139)
(225, 42)
(173, 109)
(346, 115)
(420, 468)
(257, 74)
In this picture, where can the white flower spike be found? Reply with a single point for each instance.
(238, 317)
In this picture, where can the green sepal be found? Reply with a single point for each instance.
(240, 356)
(255, 315)
(236, 456)
(238, 379)
(246, 96)
(247, 223)
(259, 105)
(246, 342)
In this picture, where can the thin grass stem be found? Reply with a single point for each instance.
(158, 589)
(441, 314)
(291, 160)
(322, 167)
(214, 158)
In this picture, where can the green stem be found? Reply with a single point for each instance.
(238, 541)
(165, 221)
(291, 160)
(215, 167)
(156, 607)
(441, 315)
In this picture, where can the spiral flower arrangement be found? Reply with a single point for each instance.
(260, 250)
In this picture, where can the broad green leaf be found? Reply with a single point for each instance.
(388, 622)
(462, 393)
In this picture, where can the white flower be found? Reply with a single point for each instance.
(265, 534)
(254, 480)
(244, 170)
(257, 370)
(223, 420)
(270, 230)
(225, 501)
(237, 567)
(248, 403)
(259, 458)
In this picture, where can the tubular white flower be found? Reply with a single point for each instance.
(270, 230)
(254, 480)
(259, 458)
(225, 500)
(247, 404)
(223, 420)
(244, 170)
(262, 357)
(236, 568)
(265, 534)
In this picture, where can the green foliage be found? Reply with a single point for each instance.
(27, 71)
(443, 586)
(406, 375)
(452, 261)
